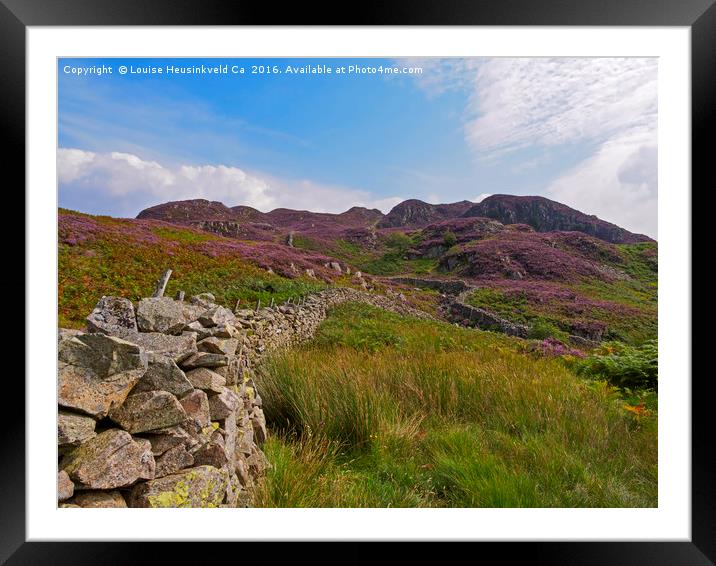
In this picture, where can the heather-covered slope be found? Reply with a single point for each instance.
(99, 255)
(545, 215)
(535, 261)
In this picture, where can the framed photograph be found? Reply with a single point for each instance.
(391, 280)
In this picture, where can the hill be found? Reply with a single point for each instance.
(546, 215)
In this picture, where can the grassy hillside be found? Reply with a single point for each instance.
(381, 410)
(108, 256)
(625, 307)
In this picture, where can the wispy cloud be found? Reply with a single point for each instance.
(123, 183)
(515, 104)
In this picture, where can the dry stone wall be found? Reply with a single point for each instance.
(157, 403)
(458, 310)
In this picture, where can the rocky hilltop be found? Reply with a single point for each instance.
(545, 215)
(541, 214)
(414, 213)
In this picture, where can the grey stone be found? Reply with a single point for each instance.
(231, 371)
(112, 315)
(163, 374)
(205, 360)
(160, 314)
(191, 312)
(201, 486)
(206, 300)
(215, 316)
(204, 378)
(226, 330)
(97, 372)
(110, 460)
(177, 348)
(74, 429)
(149, 410)
(214, 345)
(245, 440)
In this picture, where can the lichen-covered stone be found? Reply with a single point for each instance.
(99, 499)
(228, 429)
(112, 315)
(206, 379)
(196, 406)
(160, 314)
(173, 460)
(233, 488)
(178, 348)
(258, 423)
(223, 404)
(110, 460)
(74, 429)
(97, 372)
(201, 486)
(149, 410)
(65, 487)
(163, 374)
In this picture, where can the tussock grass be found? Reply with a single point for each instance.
(382, 410)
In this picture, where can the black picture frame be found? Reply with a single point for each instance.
(699, 15)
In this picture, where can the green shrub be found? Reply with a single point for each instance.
(449, 239)
(541, 329)
(623, 365)
(399, 242)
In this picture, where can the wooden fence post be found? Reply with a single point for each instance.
(162, 284)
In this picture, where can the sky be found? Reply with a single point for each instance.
(582, 131)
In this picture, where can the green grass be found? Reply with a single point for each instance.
(388, 411)
(393, 263)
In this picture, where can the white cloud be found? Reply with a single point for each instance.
(618, 183)
(123, 183)
(481, 197)
(518, 102)
(542, 103)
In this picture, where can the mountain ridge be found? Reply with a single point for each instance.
(540, 213)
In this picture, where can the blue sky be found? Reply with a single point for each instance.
(581, 131)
